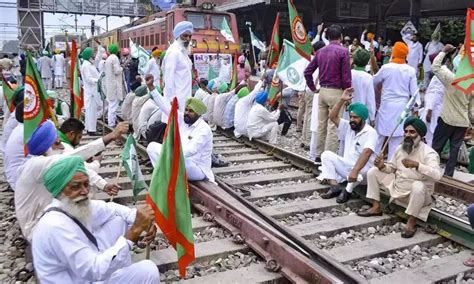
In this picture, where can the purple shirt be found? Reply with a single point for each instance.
(334, 67)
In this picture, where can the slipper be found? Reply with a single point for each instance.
(408, 233)
(365, 213)
(469, 262)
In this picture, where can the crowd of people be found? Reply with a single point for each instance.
(350, 116)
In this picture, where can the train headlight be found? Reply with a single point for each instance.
(207, 6)
(226, 45)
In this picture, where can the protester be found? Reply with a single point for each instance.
(455, 117)
(431, 48)
(59, 65)
(409, 176)
(220, 104)
(113, 83)
(229, 112)
(415, 51)
(363, 83)
(261, 122)
(45, 67)
(360, 140)
(90, 76)
(92, 239)
(334, 76)
(242, 109)
(153, 66)
(14, 155)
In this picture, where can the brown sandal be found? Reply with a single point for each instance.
(408, 233)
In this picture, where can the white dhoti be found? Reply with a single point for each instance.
(193, 170)
(112, 112)
(58, 79)
(90, 104)
(334, 167)
(416, 202)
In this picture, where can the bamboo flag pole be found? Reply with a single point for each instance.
(117, 177)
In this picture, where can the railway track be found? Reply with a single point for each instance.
(265, 222)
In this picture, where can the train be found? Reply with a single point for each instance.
(157, 30)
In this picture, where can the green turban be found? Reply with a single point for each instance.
(113, 49)
(60, 173)
(141, 91)
(243, 92)
(162, 55)
(360, 110)
(417, 123)
(361, 57)
(222, 88)
(196, 105)
(87, 53)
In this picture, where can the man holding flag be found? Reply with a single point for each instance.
(334, 77)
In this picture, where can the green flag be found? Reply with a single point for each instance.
(169, 194)
(75, 86)
(211, 74)
(137, 51)
(36, 109)
(8, 93)
(256, 42)
(464, 78)
(298, 32)
(291, 67)
(225, 31)
(274, 43)
(132, 167)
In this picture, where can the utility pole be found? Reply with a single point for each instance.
(75, 22)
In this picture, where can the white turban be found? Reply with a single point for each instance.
(182, 27)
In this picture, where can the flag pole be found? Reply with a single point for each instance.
(117, 178)
(253, 49)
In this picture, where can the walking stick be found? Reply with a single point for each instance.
(117, 178)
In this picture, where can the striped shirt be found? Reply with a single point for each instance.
(334, 67)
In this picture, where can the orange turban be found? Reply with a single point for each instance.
(399, 52)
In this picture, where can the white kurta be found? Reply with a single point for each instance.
(152, 68)
(45, 67)
(7, 130)
(259, 118)
(15, 156)
(242, 109)
(145, 113)
(398, 85)
(219, 107)
(31, 196)
(196, 139)
(366, 43)
(201, 94)
(90, 76)
(137, 104)
(127, 106)
(59, 63)
(431, 47)
(415, 52)
(177, 75)
(73, 258)
(113, 78)
(363, 85)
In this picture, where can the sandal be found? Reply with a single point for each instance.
(366, 213)
(408, 233)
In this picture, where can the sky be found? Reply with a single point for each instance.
(62, 21)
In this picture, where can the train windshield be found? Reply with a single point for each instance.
(216, 21)
(197, 19)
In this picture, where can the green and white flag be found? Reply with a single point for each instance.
(132, 167)
(226, 32)
(256, 42)
(291, 67)
(137, 51)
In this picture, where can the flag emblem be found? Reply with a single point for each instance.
(293, 75)
(300, 31)
(31, 100)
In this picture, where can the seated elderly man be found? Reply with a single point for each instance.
(196, 136)
(360, 140)
(242, 109)
(409, 176)
(78, 240)
(261, 122)
(45, 147)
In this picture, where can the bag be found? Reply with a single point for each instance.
(156, 132)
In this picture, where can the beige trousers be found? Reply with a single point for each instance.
(327, 131)
(306, 132)
(301, 110)
(419, 194)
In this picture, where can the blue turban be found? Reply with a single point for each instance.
(182, 27)
(261, 97)
(311, 34)
(42, 138)
(210, 85)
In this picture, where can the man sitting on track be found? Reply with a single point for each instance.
(31, 197)
(360, 140)
(261, 122)
(409, 177)
(78, 240)
(196, 135)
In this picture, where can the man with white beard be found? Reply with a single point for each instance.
(177, 66)
(45, 146)
(90, 76)
(92, 239)
(409, 178)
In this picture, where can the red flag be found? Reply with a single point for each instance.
(274, 43)
(74, 86)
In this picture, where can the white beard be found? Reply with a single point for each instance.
(78, 208)
(188, 49)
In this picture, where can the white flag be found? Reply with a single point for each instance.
(137, 51)
(226, 32)
(291, 67)
(409, 28)
(256, 42)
